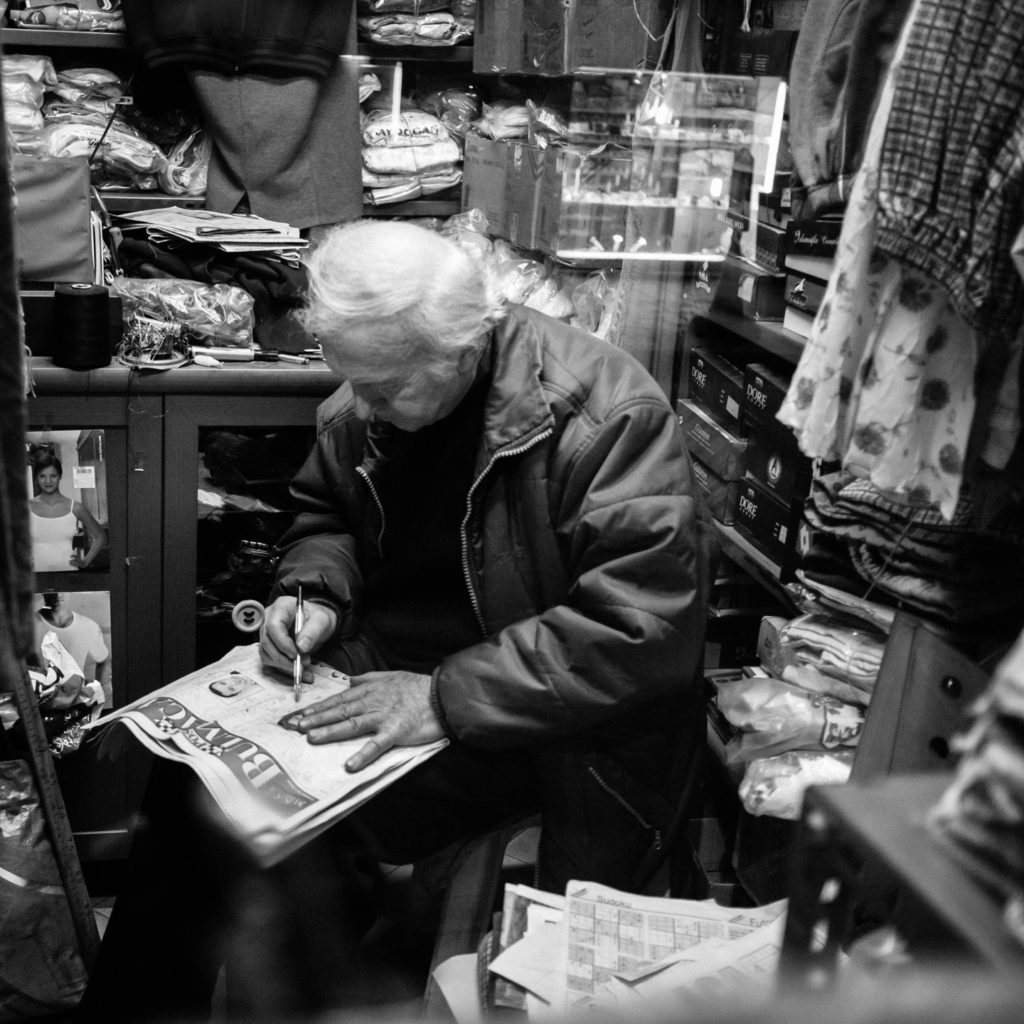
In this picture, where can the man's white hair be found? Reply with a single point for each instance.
(368, 271)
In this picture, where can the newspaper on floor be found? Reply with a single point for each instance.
(619, 946)
(232, 723)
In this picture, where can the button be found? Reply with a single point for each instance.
(951, 687)
(248, 615)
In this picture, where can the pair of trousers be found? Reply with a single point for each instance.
(193, 898)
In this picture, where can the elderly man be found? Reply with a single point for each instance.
(499, 540)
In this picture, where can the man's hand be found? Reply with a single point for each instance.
(277, 643)
(392, 707)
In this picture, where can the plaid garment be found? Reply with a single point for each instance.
(952, 163)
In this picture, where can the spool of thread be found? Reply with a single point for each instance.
(81, 326)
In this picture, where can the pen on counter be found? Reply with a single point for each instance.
(297, 669)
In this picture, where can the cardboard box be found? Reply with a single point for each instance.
(716, 382)
(498, 37)
(814, 237)
(544, 28)
(818, 267)
(719, 494)
(484, 174)
(751, 291)
(722, 452)
(805, 292)
(769, 524)
(775, 208)
(764, 390)
(775, 461)
(623, 34)
(758, 52)
(538, 37)
(771, 247)
(798, 321)
(523, 183)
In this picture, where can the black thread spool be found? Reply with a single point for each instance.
(81, 326)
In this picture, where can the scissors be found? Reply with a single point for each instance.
(297, 668)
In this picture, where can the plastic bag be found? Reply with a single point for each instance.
(188, 162)
(829, 645)
(214, 314)
(503, 120)
(41, 969)
(773, 716)
(776, 785)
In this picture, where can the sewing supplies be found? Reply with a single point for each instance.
(85, 325)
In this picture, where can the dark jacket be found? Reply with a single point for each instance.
(586, 556)
(275, 37)
(840, 60)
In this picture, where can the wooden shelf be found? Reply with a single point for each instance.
(415, 208)
(431, 54)
(772, 337)
(755, 563)
(61, 39)
(131, 202)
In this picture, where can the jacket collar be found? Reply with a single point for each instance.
(516, 408)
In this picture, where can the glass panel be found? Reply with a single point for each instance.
(244, 507)
(68, 508)
(659, 165)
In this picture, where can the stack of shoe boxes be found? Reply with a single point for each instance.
(778, 476)
(714, 432)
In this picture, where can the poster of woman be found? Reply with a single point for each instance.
(68, 501)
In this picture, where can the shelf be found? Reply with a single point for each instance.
(61, 39)
(430, 54)
(233, 379)
(132, 202)
(415, 208)
(754, 562)
(772, 337)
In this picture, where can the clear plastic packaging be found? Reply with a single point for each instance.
(775, 785)
(828, 653)
(212, 314)
(773, 717)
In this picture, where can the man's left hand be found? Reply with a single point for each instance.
(391, 707)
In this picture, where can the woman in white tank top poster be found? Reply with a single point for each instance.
(54, 519)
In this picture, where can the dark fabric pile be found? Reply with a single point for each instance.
(957, 573)
(277, 285)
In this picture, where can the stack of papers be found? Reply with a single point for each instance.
(231, 232)
(232, 723)
(598, 949)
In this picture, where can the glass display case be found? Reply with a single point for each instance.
(89, 460)
(226, 504)
(659, 166)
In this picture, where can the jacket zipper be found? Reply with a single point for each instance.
(466, 574)
(644, 823)
(380, 508)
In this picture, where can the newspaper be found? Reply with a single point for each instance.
(614, 939)
(232, 723)
(232, 232)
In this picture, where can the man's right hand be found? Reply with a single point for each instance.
(277, 640)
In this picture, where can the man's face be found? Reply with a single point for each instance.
(404, 394)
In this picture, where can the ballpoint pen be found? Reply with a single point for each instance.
(297, 670)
